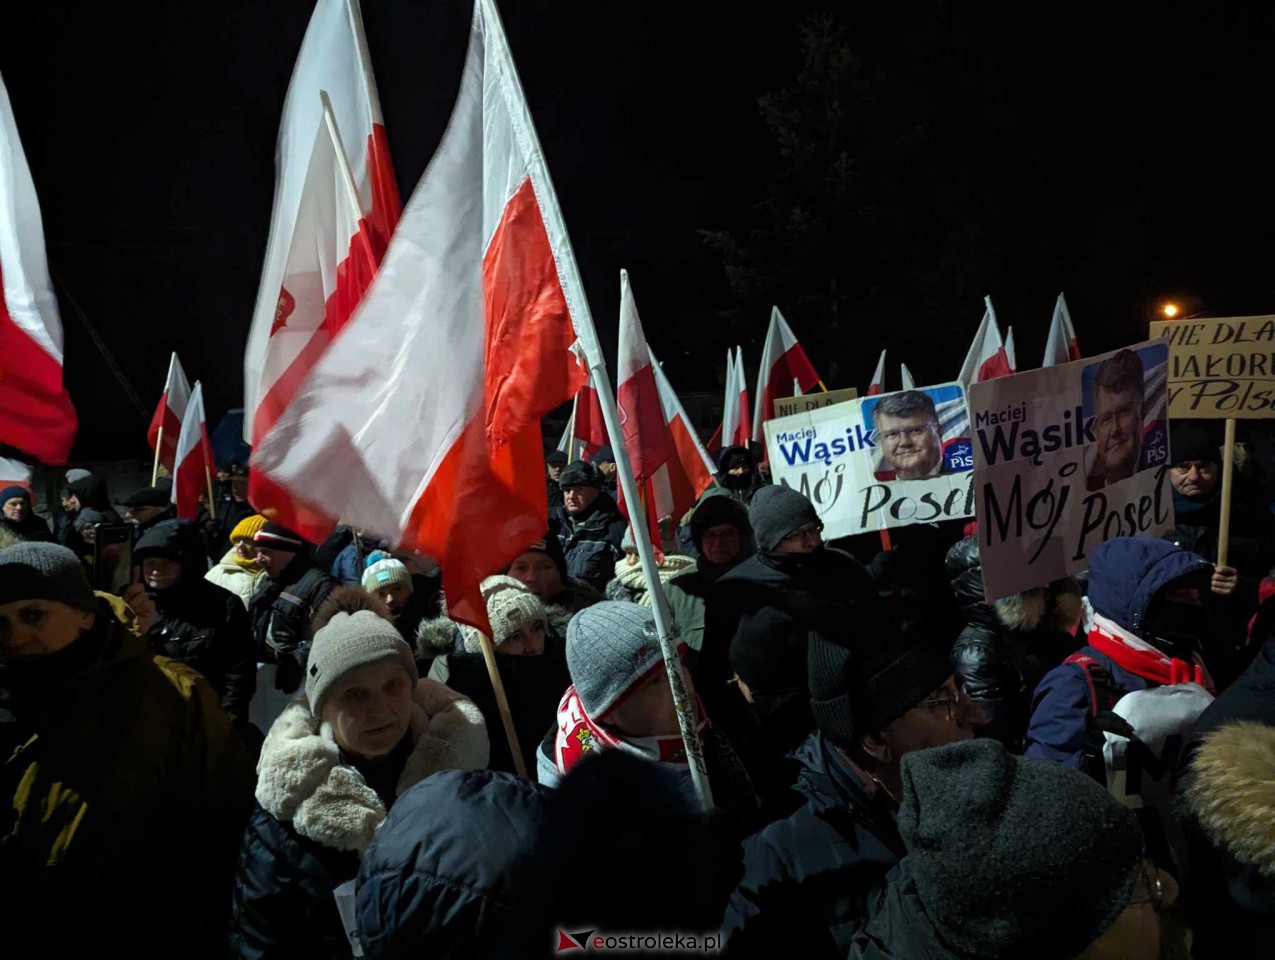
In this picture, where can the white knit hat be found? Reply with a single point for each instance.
(348, 641)
(510, 607)
(385, 573)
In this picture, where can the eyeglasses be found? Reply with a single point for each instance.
(950, 703)
(808, 530)
(909, 433)
(1153, 887)
(1122, 413)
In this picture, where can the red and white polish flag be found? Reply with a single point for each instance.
(169, 414)
(1061, 346)
(878, 377)
(986, 359)
(36, 415)
(782, 362)
(906, 376)
(689, 472)
(194, 463)
(333, 216)
(422, 420)
(744, 414)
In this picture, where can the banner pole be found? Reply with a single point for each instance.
(502, 702)
(1228, 477)
(159, 445)
(212, 500)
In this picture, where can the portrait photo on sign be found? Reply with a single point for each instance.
(1126, 398)
(919, 434)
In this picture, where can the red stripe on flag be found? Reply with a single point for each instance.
(646, 435)
(172, 430)
(997, 365)
(590, 428)
(36, 414)
(792, 365)
(688, 476)
(386, 204)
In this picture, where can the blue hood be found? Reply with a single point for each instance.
(1125, 573)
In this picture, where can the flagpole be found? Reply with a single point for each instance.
(212, 506)
(582, 320)
(502, 703)
(159, 445)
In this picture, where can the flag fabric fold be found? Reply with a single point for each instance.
(986, 358)
(782, 361)
(1061, 345)
(193, 466)
(36, 414)
(169, 414)
(424, 413)
(689, 472)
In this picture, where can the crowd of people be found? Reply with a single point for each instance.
(264, 747)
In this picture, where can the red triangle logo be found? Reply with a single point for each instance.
(566, 943)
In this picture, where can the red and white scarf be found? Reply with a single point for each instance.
(1139, 657)
(578, 734)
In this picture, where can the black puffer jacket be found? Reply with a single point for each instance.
(281, 610)
(198, 623)
(1006, 647)
(438, 879)
(591, 541)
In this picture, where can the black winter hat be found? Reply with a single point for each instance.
(555, 456)
(276, 537)
(856, 694)
(777, 511)
(1194, 440)
(551, 547)
(1014, 857)
(604, 455)
(578, 474)
(160, 495)
(44, 571)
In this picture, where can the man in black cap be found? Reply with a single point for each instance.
(604, 462)
(737, 472)
(812, 871)
(285, 600)
(16, 514)
(150, 505)
(593, 528)
(554, 462)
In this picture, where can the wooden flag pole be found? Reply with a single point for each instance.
(502, 702)
(159, 445)
(1228, 477)
(822, 386)
(212, 500)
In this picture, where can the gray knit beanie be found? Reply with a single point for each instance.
(351, 640)
(1014, 857)
(44, 571)
(610, 646)
(777, 511)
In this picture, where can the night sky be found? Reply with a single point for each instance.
(1125, 152)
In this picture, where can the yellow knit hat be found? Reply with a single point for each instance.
(247, 528)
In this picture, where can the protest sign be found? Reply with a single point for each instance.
(1066, 457)
(788, 406)
(1222, 367)
(885, 461)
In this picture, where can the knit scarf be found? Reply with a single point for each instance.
(632, 576)
(579, 734)
(1139, 657)
(250, 565)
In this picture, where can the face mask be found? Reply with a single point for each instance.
(1175, 628)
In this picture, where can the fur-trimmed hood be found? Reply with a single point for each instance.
(1231, 792)
(1056, 608)
(301, 779)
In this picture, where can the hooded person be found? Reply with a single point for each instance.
(284, 602)
(196, 623)
(604, 463)
(352, 561)
(1144, 624)
(232, 509)
(18, 517)
(737, 472)
(1010, 858)
(593, 527)
(433, 883)
(813, 870)
(543, 568)
(629, 583)
(238, 571)
(334, 762)
(531, 660)
(1006, 647)
(150, 505)
(794, 587)
(121, 772)
(723, 539)
(555, 460)
(85, 491)
(620, 699)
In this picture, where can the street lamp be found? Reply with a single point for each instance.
(1170, 310)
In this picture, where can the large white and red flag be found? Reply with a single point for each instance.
(986, 359)
(422, 420)
(782, 362)
(336, 205)
(905, 375)
(166, 422)
(192, 471)
(689, 472)
(1061, 346)
(736, 411)
(36, 415)
(878, 377)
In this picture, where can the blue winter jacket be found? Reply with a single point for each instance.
(1124, 575)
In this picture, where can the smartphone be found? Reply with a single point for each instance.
(113, 557)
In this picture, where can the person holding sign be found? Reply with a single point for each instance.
(907, 427)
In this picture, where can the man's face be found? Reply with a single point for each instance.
(807, 538)
(539, 573)
(911, 445)
(1118, 429)
(16, 508)
(721, 543)
(70, 502)
(606, 468)
(648, 710)
(273, 561)
(160, 573)
(578, 499)
(239, 489)
(554, 471)
(738, 470)
(930, 724)
(1194, 478)
(34, 628)
(143, 515)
